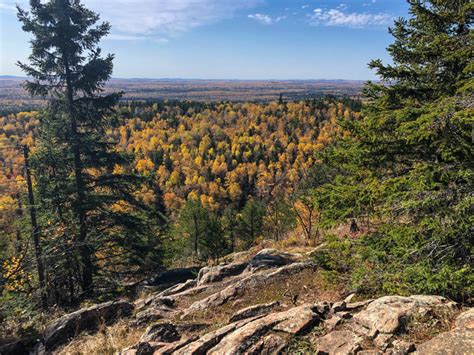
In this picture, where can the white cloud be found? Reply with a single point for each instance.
(7, 7)
(262, 18)
(280, 18)
(158, 18)
(335, 17)
(304, 6)
(117, 37)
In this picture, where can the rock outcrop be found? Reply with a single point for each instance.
(240, 322)
(86, 319)
(458, 341)
(253, 280)
(387, 314)
(212, 274)
(172, 277)
(339, 342)
(253, 311)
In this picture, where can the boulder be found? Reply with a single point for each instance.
(299, 319)
(253, 311)
(155, 301)
(165, 332)
(355, 306)
(272, 258)
(151, 315)
(86, 319)
(458, 341)
(143, 348)
(387, 314)
(191, 327)
(401, 347)
(212, 274)
(333, 322)
(465, 320)
(339, 342)
(139, 349)
(172, 277)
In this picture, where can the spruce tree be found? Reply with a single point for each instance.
(76, 162)
(406, 168)
(250, 222)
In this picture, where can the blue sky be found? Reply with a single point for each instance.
(231, 39)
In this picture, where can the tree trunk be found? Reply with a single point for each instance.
(196, 235)
(35, 231)
(84, 248)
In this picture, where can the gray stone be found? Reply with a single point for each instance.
(355, 306)
(272, 258)
(401, 347)
(293, 321)
(209, 340)
(178, 288)
(253, 311)
(70, 325)
(459, 341)
(173, 348)
(165, 332)
(333, 322)
(383, 341)
(386, 314)
(251, 281)
(339, 342)
(152, 315)
(268, 344)
(212, 274)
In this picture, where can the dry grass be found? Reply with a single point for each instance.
(108, 340)
(307, 286)
(423, 327)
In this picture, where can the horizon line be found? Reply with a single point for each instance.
(8, 76)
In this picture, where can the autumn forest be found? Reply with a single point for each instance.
(101, 189)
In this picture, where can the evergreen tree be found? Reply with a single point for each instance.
(76, 161)
(229, 226)
(203, 229)
(213, 245)
(250, 222)
(407, 167)
(194, 222)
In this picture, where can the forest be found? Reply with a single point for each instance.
(98, 193)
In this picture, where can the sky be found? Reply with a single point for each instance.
(231, 39)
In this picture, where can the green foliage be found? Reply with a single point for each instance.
(94, 226)
(203, 230)
(405, 170)
(336, 255)
(250, 222)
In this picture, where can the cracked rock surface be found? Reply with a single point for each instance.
(267, 305)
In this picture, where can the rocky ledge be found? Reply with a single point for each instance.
(219, 312)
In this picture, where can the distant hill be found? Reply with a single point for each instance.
(204, 89)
